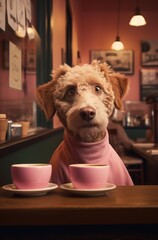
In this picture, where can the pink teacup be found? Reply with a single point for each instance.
(31, 176)
(88, 176)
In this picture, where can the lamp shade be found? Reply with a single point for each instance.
(137, 20)
(20, 32)
(31, 32)
(117, 45)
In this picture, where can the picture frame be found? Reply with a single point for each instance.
(149, 53)
(147, 91)
(121, 61)
(149, 76)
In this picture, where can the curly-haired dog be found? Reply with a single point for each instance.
(84, 97)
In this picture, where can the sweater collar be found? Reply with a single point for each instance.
(80, 152)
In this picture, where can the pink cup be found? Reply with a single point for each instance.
(88, 176)
(31, 176)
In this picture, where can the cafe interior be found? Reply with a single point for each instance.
(35, 38)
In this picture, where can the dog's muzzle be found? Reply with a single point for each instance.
(87, 113)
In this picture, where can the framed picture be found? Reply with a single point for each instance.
(121, 61)
(148, 91)
(149, 76)
(149, 53)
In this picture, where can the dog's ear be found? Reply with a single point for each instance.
(118, 81)
(45, 100)
(45, 92)
(120, 86)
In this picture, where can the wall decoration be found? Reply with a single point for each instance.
(148, 84)
(2, 15)
(121, 61)
(149, 76)
(12, 14)
(21, 22)
(28, 10)
(15, 66)
(149, 53)
(147, 91)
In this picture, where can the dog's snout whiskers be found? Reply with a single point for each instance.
(87, 113)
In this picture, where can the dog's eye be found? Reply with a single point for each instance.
(98, 89)
(71, 92)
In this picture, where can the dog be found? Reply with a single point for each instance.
(84, 97)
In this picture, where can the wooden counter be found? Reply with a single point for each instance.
(20, 142)
(150, 164)
(143, 152)
(121, 208)
(122, 205)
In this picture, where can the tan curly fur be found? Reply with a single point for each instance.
(77, 93)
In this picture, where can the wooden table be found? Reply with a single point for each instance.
(129, 208)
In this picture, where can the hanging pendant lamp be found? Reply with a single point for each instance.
(117, 44)
(137, 20)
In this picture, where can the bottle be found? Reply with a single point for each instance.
(3, 126)
(128, 119)
(146, 120)
(9, 130)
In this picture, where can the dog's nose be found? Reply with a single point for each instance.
(87, 113)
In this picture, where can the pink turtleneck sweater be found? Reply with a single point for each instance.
(71, 151)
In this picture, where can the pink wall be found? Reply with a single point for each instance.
(97, 30)
(76, 16)
(59, 31)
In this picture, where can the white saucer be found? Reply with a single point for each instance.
(87, 192)
(30, 192)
